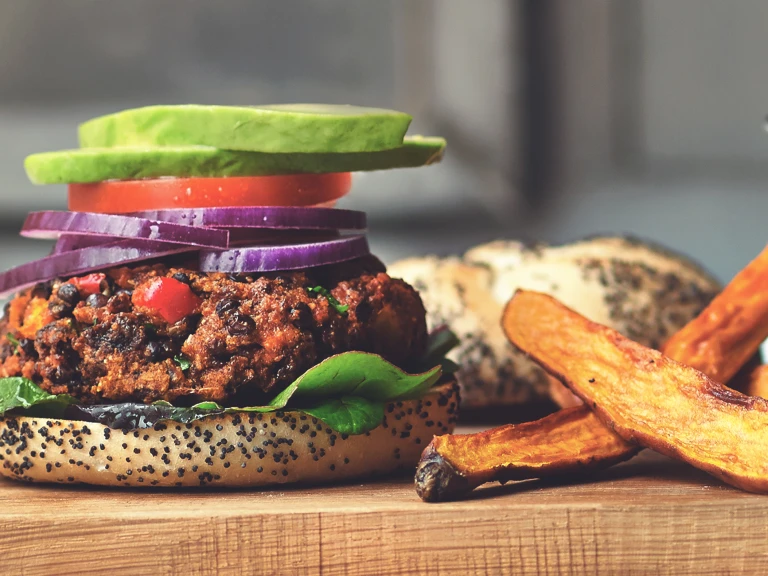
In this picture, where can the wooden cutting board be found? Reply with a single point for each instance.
(647, 516)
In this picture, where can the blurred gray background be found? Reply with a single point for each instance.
(564, 117)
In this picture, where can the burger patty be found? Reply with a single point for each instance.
(250, 336)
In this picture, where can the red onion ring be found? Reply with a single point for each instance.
(53, 223)
(285, 257)
(273, 217)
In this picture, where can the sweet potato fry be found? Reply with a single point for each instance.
(758, 382)
(567, 441)
(442, 473)
(728, 332)
(742, 380)
(642, 395)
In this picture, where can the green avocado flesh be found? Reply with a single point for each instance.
(99, 164)
(287, 128)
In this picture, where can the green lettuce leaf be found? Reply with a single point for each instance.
(358, 374)
(348, 414)
(22, 393)
(441, 341)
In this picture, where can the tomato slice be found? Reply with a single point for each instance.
(121, 196)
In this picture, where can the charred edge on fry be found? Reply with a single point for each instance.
(437, 480)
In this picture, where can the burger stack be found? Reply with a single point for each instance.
(206, 315)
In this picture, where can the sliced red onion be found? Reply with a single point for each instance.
(286, 257)
(84, 260)
(69, 242)
(52, 223)
(263, 237)
(237, 237)
(274, 217)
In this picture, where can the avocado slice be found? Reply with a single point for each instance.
(282, 128)
(99, 164)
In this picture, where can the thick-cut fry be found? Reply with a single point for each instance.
(541, 448)
(758, 382)
(734, 319)
(736, 314)
(743, 378)
(644, 396)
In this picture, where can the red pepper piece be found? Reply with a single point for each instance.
(170, 299)
(90, 284)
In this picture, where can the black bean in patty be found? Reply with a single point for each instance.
(96, 300)
(223, 307)
(59, 309)
(301, 316)
(181, 277)
(69, 294)
(239, 324)
(155, 351)
(27, 347)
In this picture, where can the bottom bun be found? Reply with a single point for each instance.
(245, 449)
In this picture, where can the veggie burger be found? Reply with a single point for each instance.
(206, 317)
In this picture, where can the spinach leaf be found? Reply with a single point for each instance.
(440, 341)
(132, 416)
(348, 414)
(358, 374)
(22, 393)
(209, 406)
(448, 366)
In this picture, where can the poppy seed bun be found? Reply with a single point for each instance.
(244, 449)
(638, 288)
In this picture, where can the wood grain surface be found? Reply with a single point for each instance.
(648, 516)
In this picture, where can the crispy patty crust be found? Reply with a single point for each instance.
(249, 338)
